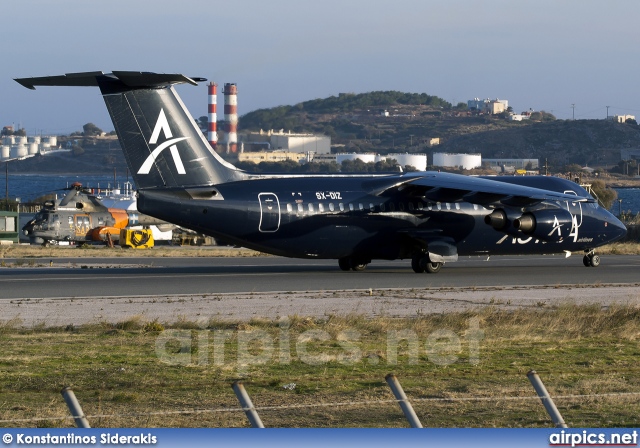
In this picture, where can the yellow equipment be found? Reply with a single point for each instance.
(136, 239)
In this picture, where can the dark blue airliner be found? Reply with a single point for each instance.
(428, 217)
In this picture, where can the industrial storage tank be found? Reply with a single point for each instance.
(34, 139)
(366, 158)
(33, 148)
(49, 141)
(20, 140)
(8, 140)
(6, 152)
(466, 161)
(419, 161)
(18, 151)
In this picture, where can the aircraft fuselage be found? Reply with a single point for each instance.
(336, 216)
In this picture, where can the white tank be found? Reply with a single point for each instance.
(18, 151)
(8, 140)
(33, 148)
(49, 141)
(366, 158)
(466, 161)
(419, 161)
(34, 139)
(21, 140)
(6, 152)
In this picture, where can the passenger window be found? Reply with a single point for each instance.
(100, 221)
(420, 206)
(341, 207)
(457, 206)
(70, 220)
(372, 207)
(382, 207)
(300, 208)
(310, 207)
(320, 208)
(411, 207)
(448, 206)
(475, 206)
(351, 207)
(360, 206)
(439, 206)
(392, 206)
(331, 206)
(401, 206)
(289, 208)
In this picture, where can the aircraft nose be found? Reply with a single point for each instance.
(618, 229)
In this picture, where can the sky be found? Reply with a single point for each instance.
(572, 58)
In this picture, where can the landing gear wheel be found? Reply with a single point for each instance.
(344, 263)
(430, 266)
(415, 264)
(358, 266)
(433, 268)
(591, 260)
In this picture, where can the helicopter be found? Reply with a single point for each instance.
(79, 217)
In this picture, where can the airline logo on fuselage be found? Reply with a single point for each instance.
(162, 125)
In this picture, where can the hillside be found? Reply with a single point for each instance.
(356, 121)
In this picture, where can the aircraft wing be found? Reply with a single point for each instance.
(448, 187)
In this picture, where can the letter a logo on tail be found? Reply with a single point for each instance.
(162, 125)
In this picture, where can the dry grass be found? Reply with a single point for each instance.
(582, 351)
(30, 252)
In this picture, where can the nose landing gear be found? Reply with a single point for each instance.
(591, 259)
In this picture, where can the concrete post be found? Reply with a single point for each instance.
(74, 408)
(247, 405)
(403, 401)
(548, 403)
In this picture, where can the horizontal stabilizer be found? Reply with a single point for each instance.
(92, 79)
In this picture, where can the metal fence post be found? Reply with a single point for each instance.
(247, 405)
(74, 408)
(403, 401)
(548, 403)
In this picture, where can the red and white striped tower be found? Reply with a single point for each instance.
(231, 116)
(212, 135)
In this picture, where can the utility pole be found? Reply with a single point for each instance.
(607, 112)
(573, 113)
(546, 168)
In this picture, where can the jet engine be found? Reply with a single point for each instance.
(546, 225)
(497, 219)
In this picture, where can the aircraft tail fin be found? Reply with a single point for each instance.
(162, 144)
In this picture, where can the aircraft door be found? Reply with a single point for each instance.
(55, 224)
(269, 212)
(82, 224)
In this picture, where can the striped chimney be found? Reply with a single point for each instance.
(212, 134)
(231, 116)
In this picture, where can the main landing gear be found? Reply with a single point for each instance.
(421, 263)
(591, 259)
(353, 264)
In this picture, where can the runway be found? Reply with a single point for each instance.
(85, 290)
(114, 277)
